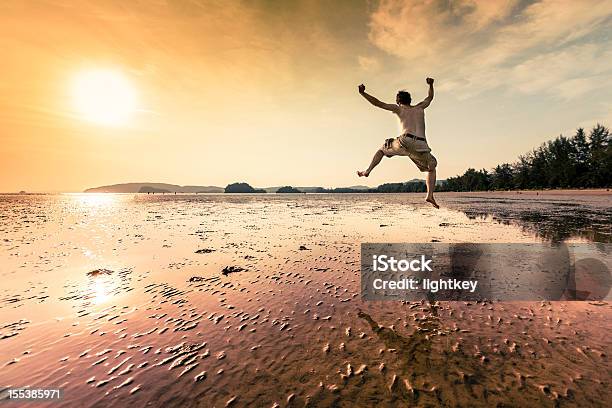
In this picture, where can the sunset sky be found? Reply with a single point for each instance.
(213, 92)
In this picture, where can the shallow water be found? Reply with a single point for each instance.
(121, 299)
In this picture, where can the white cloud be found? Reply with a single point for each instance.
(549, 46)
(570, 72)
(427, 28)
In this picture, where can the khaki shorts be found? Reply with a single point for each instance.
(418, 151)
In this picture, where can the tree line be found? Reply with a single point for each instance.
(579, 161)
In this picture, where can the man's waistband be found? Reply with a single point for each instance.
(414, 137)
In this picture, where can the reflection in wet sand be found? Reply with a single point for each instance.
(125, 302)
(553, 218)
(95, 200)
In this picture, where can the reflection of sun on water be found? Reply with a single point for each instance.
(95, 199)
(102, 286)
(100, 292)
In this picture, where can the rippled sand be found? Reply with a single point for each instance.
(254, 301)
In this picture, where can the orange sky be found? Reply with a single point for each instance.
(265, 91)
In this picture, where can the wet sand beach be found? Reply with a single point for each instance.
(254, 300)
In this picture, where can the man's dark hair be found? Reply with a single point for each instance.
(404, 98)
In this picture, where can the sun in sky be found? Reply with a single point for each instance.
(104, 96)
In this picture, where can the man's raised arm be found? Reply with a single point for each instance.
(425, 103)
(387, 106)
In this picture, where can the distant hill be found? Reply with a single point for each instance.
(151, 187)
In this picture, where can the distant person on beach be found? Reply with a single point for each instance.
(412, 141)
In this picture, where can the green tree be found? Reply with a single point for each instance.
(581, 158)
(600, 167)
(563, 162)
(502, 177)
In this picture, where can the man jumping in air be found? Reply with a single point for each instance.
(412, 141)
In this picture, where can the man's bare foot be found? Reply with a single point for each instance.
(432, 202)
(363, 173)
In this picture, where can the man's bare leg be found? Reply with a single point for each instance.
(375, 160)
(431, 185)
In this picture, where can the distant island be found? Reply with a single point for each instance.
(310, 189)
(288, 189)
(242, 188)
